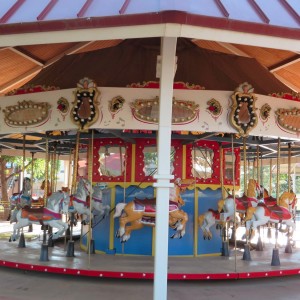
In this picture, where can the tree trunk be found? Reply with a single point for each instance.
(3, 181)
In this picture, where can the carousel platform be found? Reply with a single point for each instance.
(31, 257)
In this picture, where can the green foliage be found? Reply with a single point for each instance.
(39, 166)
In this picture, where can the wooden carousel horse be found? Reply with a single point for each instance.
(51, 215)
(276, 214)
(20, 200)
(142, 212)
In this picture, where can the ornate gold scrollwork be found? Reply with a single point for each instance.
(26, 113)
(265, 112)
(146, 110)
(289, 119)
(243, 115)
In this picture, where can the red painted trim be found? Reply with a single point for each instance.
(175, 17)
(124, 7)
(222, 8)
(11, 11)
(261, 14)
(143, 275)
(84, 8)
(237, 152)
(215, 178)
(139, 159)
(114, 141)
(46, 10)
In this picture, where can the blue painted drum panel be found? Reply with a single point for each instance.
(101, 225)
(185, 245)
(140, 242)
(209, 199)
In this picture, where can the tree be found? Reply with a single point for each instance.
(39, 166)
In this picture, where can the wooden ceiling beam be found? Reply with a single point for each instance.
(18, 51)
(285, 63)
(233, 49)
(10, 85)
(71, 50)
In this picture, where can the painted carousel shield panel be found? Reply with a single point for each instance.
(243, 115)
(85, 110)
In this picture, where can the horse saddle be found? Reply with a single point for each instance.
(40, 214)
(149, 205)
(277, 212)
(270, 201)
(243, 202)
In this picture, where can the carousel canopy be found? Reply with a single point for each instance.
(36, 33)
(135, 60)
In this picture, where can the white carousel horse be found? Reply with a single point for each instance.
(51, 215)
(97, 203)
(210, 218)
(23, 198)
(80, 201)
(142, 212)
(20, 200)
(281, 213)
(241, 204)
(225, 212)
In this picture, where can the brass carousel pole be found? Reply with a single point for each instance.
(44, 248)
(259, 245)
(225, 242)
(246, 255)
(275, 255)
(70, 246)
(288, 247)
(90, 241)
(233, 194)
(289, 168)
(22, 237)
(245, 164)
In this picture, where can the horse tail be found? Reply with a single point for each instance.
(201, 219)
(221, 204)
(119, 208)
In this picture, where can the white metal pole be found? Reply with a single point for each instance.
(168, 51)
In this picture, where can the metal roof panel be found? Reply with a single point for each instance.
(102, 8)
(272, 17)
(278, 14)
(66, 9)
(24, 14)
(241, 10)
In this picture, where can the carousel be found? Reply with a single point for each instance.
(173, 152)
(222, 203)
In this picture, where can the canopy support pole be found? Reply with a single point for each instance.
(168, 51)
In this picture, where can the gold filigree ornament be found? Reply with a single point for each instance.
(115, 105)
(289, 119)
(27, 114)
(63, 106)
(243, 115)
(147, 110)
(265, 111)
(85, 110)
(214, 108)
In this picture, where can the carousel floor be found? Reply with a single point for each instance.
(34, 257)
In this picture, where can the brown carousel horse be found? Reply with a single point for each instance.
(142, 212)
(283, 213)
